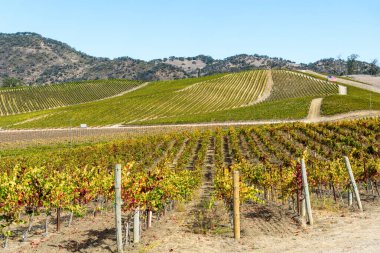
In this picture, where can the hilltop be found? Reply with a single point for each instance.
(33, 59)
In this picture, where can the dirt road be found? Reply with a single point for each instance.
(354, 232)
(348, 82)
(315, 109)
(20, 138)
(373, 80)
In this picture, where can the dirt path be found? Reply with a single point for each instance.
(267, 91)
(349, 115)
(30, 137)
(348, 82)
(266, 228)
(315, 109)
(373, 80)
(187, 229)
(347, 232)
(124, 92)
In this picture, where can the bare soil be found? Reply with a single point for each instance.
(187, 65)
(315, 109)
(373, 80)
(265, 228)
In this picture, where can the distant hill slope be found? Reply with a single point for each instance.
(339, 67)
(36, 59)
(211, 98)
(33, 58)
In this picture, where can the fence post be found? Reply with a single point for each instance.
(119, 236)
(306, 192)
(58, 219)
(136, 226)
(149, 218)
(349, 192)
(352, 179)
(236, 202)
(303, 207)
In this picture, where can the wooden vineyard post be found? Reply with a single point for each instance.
(136, 226)
(306, 192)
(149, 219)
(126, 226)
(303, 207)
(353, 183)
(58, 219)
(236, 201)
(119, 236)
(349, 192)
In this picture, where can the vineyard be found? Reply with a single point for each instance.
(290, 84)
(194, 99)
(160, 170)
(29, 99)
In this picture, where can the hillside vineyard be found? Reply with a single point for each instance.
(35, 98)
(165, 100)
(289, 84)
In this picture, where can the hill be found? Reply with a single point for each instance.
(34, 59)
(342, 67)
(248, 95)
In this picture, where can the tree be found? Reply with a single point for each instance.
(11, 82)
(351, 63)
(338, 65)
(374, 69)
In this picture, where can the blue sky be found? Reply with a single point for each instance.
(299, 30)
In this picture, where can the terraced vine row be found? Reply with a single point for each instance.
(163, 101)
(163, 168)
(29, 99)
(229, 91)
(289, 84)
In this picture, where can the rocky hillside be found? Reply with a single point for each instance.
(343, 67)
(30, 58)
(35, 59)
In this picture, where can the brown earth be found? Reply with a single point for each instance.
(265, 228)
(373, 80)
(315, 109)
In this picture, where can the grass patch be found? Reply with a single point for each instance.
(356, 99)
(7, 121)
(328, 204)
(294, 108)
(221, 230)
